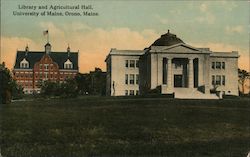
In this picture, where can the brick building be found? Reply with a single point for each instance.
(33, 67)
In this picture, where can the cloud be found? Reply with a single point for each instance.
(228, 5)
(161, 19)
(76, 26)
(93, 43)
(203, 7)
(53, 30)
(9, 46)
(207, 18)
(206, 15)
(220, 47)
(234, 29)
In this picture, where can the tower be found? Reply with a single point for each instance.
(47, 48)
(68, 50)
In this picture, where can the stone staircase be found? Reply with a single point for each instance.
(187, 93)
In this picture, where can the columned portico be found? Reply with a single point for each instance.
(190, 73)
(169, 66)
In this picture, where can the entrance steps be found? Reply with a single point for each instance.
(187, 93)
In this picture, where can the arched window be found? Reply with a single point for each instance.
(68, 64)
(24, 63)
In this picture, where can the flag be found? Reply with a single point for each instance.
(45, 32)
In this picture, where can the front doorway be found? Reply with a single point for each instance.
(178, 80)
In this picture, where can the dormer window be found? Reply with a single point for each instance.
(24, 63)
(68, 64)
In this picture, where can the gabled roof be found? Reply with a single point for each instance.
(178, 48)
(34, 56)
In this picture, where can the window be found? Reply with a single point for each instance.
(213, 80)
(46, 66)
(218, 80)
(126, 78)
(218, 65)
(223, 65)
(24, 63)
(137, 92)
(223, 79)
(131, 79)
(126, 92)
(132, 63)
(46, 75)
(68, 64)
(137, 79)
(213, 65)
(126, 63)
(137, 63)
(131, 92)
(41, 66)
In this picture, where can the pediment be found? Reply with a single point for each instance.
(180, 48)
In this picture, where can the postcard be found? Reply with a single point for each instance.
(124, 78)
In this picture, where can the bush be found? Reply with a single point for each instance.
(67, 89)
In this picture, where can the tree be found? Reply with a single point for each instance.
(98, 82)
(243, 76)
(66, 89)
(69, 89)
(93, 83)
(83, 83)
(49, 88)
(8, 88)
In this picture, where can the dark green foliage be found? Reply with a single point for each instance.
(92, 83)
(66, 89)
(83, 83)
(105, 126)
(9, 89)
(243, 76)
(49, 88)
(69, 89)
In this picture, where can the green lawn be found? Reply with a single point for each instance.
(103, 126)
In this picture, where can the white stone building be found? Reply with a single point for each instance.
(172, 67)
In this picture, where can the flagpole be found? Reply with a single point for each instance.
(48, 36)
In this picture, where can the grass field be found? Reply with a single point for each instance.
(103, 126)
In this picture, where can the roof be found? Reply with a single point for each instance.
(233, 54)
(116, 52)
(167, 39)
(126, 52)
(35, 56)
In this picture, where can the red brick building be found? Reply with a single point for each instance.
(33, 67)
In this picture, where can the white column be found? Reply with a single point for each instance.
(190, 73)
(169, 74)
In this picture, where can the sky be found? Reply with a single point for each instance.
(222, 26)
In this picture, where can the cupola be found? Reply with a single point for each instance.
(47, 48)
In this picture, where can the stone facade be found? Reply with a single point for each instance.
(175, 68)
